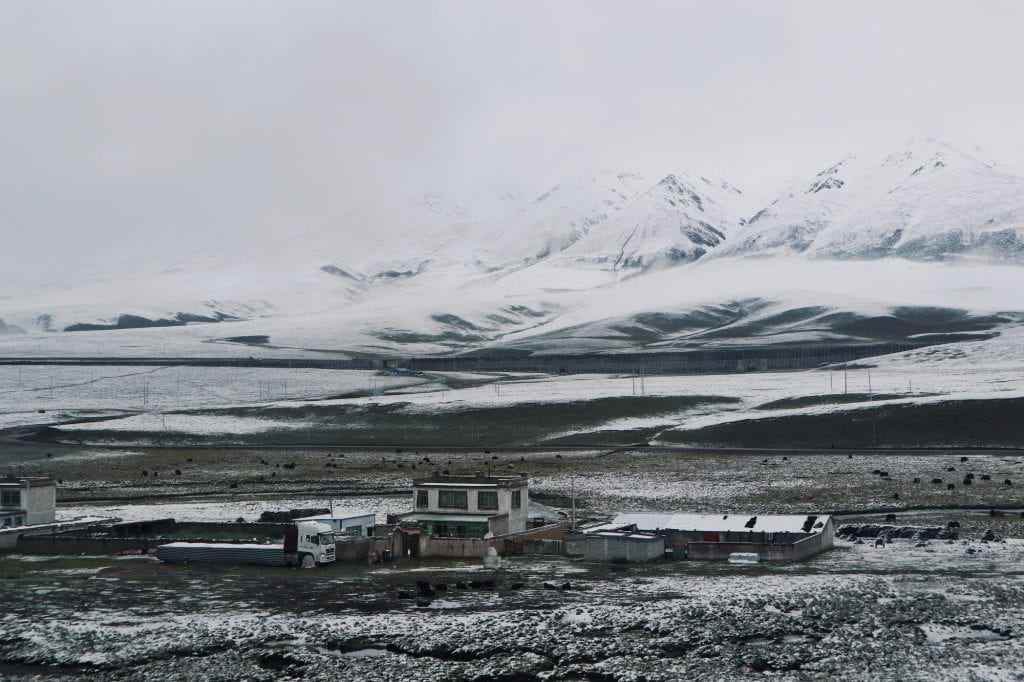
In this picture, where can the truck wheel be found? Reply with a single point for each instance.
(308, 561)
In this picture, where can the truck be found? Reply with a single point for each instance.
(307, 544)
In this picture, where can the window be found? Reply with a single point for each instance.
(487, 499)
(453, 499)
(517, 499)
(10, 498)
(422, 500)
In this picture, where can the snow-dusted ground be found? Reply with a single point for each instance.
(970, 370)
(231, 510)
(70, 392)
(856, 612)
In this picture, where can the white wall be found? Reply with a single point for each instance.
(39, 503)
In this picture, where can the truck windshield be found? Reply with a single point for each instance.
(326, 538)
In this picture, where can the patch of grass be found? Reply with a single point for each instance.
(401, 425)
(956, 423)
(828, 399)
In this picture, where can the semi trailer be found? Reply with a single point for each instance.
(307, 544)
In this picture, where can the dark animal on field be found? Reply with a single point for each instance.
(917, 480)
(402, 594)
(879, 542)
(441, 587)
(936, 480)
(950, 487)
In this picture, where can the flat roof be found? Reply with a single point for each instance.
(336, 517)
(448, 518)
(27, 482)
(736, 523)
(624, 535)
(455, 480)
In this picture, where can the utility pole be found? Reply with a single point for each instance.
(844, 381)
(830, 388)
(573, 495)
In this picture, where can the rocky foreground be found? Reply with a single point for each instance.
(909, 610)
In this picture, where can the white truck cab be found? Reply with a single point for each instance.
(315, 540)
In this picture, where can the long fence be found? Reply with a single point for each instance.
(723, 360)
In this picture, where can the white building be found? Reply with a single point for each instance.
(356, 524)
(27, 500)
(471, 506)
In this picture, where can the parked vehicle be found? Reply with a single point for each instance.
(307, 544)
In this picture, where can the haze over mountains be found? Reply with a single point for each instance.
(920, 241)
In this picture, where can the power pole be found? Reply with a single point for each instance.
(573, 495)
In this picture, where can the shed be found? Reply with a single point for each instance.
(355, 523)
(623, 547)
(776, 537)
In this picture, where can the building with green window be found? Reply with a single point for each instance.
(27, 500)
(470, 506)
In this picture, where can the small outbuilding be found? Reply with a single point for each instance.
(358, 524)
(788, 537)
(623, 546)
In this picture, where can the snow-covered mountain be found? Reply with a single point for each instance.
(923, 240)
(927, 201)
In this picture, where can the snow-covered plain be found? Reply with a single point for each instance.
(173, 399)
(148, 397)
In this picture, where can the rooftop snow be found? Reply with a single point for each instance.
(737, 523)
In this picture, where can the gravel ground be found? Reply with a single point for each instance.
(855, 612)
(902, 612)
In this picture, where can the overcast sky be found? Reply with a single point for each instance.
(169, 127)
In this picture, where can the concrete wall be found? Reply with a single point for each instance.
(623, 549)
(356, 550)
(720, 551)
(55, 544)
(511, 544)
(40, 503)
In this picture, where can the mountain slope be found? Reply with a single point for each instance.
(927, 202)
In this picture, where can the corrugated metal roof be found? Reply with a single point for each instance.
(787, 523)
